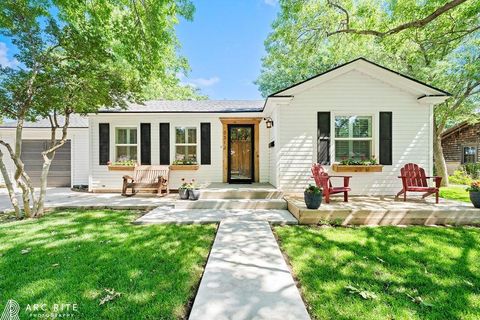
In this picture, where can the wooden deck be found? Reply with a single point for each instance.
(381, 211)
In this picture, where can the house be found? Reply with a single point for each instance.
(357, 110)
(461, 144)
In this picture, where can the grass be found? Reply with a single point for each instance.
(386, 272)
(455, 193)
(73, 256)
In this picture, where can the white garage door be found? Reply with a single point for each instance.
(60, 169)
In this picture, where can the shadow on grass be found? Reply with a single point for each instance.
(415, 272)
(73, 256)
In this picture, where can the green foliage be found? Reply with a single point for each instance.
(313, 189)
(460, 177)
(99, 260)
(443, 53)
(352, 161)
(455, 193)
(474, 186)
(80, 56)
(385, 272)
(473, 169)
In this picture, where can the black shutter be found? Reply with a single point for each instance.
(385, 138)
(145, 146)
(323, 137)
(103, 143)
(205, 145)
(165, 143)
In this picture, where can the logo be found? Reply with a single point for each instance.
(11, 311)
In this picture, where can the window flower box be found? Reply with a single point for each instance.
(184, 167)
(357, 168)
(117, 167)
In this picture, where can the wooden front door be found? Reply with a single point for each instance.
(241, 148)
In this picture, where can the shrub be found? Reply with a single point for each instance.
(473, 169)
(460, 177)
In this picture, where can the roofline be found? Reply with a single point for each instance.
(456, 128)
(366, 60)
(232, 111)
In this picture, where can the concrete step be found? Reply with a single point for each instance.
(232, 204)
(241, 194)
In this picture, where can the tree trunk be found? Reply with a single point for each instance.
(9, 185)
(40, 205)
(440, 164)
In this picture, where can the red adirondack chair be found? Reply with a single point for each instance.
(414, 179)
(323, 180)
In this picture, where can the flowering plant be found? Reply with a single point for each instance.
(313, 189)
(474, 186)
(188, 185)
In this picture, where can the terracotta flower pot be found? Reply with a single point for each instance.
(313, 200)
(475, 198)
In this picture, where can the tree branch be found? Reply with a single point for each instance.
(409, 25)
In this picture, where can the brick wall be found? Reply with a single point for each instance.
(453, 143)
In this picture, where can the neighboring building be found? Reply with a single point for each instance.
(70, 166)
(461, 144)
(359, 109)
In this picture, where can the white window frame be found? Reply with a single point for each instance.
(333, 138)
(186, 144)
(115, 144)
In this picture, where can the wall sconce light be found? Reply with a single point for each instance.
(268, 122)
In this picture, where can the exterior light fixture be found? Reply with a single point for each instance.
(268, 122)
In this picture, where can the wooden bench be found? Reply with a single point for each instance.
(147, 177)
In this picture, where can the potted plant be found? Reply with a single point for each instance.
(183, 190)
(474, 190)
(193, 191)
(313, 196)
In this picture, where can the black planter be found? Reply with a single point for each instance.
(183, 193)
(313, 200)
(193, 194)
(475, 198)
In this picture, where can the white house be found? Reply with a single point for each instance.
(357, 110)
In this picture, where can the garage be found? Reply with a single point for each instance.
(60, 169)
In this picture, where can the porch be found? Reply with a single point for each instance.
(385, 210)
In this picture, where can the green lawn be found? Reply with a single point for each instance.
(455, 193)
(386, 272)
(73, 256)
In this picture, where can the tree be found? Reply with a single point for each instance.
(77, 57)
(434, 41)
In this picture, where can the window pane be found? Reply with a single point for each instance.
(121, 136)
(341, 150)
(126, 153)
(469, 154)
(180, 135)
(353, 149)
(341, 127)
(361, 150)
(180, 153)
(192, 135)
(133, 136)
(362, 127)
(192, 153)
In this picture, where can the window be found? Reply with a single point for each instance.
(353, 137)
(469, 154)
(186, 145)
(125, 144)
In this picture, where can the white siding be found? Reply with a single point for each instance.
(79, 149)
(358, 94)
(102, 178)
(273, 173)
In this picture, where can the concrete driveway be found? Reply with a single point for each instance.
(66, 198)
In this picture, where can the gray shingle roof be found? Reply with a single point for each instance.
(190, 106)
(76, 121)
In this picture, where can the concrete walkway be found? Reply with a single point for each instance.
(167, 215)
(246, 277)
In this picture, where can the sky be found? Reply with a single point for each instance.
(224, 45)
